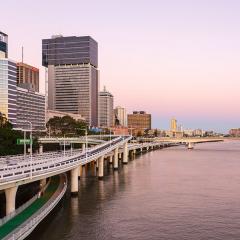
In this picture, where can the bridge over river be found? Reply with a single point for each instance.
(19, 170)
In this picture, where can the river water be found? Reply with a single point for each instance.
(172, 193)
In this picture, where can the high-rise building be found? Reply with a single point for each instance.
(173, 125)
(121, 115)
(19, 105)
(105, 109)
(3, 45)
(30, 108)
(235, 132)
(28, 76)
(8, 92)
(72, 84)
(139, 120)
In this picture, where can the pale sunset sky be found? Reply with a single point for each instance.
(171, 58)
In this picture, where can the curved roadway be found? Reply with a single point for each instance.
(48, 165)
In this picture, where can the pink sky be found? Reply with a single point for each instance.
(170, 58)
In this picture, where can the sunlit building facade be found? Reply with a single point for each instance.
(235, 132)
(27, 76)
(19, 105)
(8, 92)
(105, 109)
(121, 116)
(30, 108)
(72, 84)
(173, 125)
(139, 120)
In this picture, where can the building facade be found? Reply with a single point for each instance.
(105, 109)
(8, 92)
(28, 76)
(121, 116)
(51, 114)
(18, 104)
(139, 120)
(30, 108)
(120, 130)
(173, 125)
(3, 45)
(234, 132)
(73, 83)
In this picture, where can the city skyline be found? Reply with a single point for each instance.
(185, 55)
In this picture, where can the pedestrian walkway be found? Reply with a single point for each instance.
(15, 222)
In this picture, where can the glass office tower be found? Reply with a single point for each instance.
(8, 92)
(30, 107)
(3, 45)
(72, 75)
(105, 117)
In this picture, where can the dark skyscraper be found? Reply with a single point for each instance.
(72, 75)
(3, 45)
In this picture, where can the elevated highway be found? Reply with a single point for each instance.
(19, 170)
(189, 142)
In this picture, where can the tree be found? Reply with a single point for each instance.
(8, 142)
(66, 125)
(4, 123)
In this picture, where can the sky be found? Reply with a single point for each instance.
(171, 58)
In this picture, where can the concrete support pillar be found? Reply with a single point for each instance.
(111, 159)
(100, 167)
(93, 168)
(141, 150)
(83, 147)
(40, 150)
(43, 182)
(134, 151)
(190, 145)
(125, 153)
(74, 181)
(115, 161)
(10, 194)
(80, 171)
(97, 164)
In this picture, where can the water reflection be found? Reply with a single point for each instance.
(166, 194)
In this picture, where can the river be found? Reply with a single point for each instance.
(173, 193)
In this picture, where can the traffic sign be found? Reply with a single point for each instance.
(66, 143)
(22, 141)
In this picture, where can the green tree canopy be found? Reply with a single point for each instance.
(66, 125)
(4, 123)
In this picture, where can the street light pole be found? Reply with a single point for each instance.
(64, 145)
(49, 131)
(110, 138)
(24, 134)
(30, 147)
(86, 143)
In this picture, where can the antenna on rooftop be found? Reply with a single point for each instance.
(22, 54)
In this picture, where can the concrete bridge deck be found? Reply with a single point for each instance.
(17, 170)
